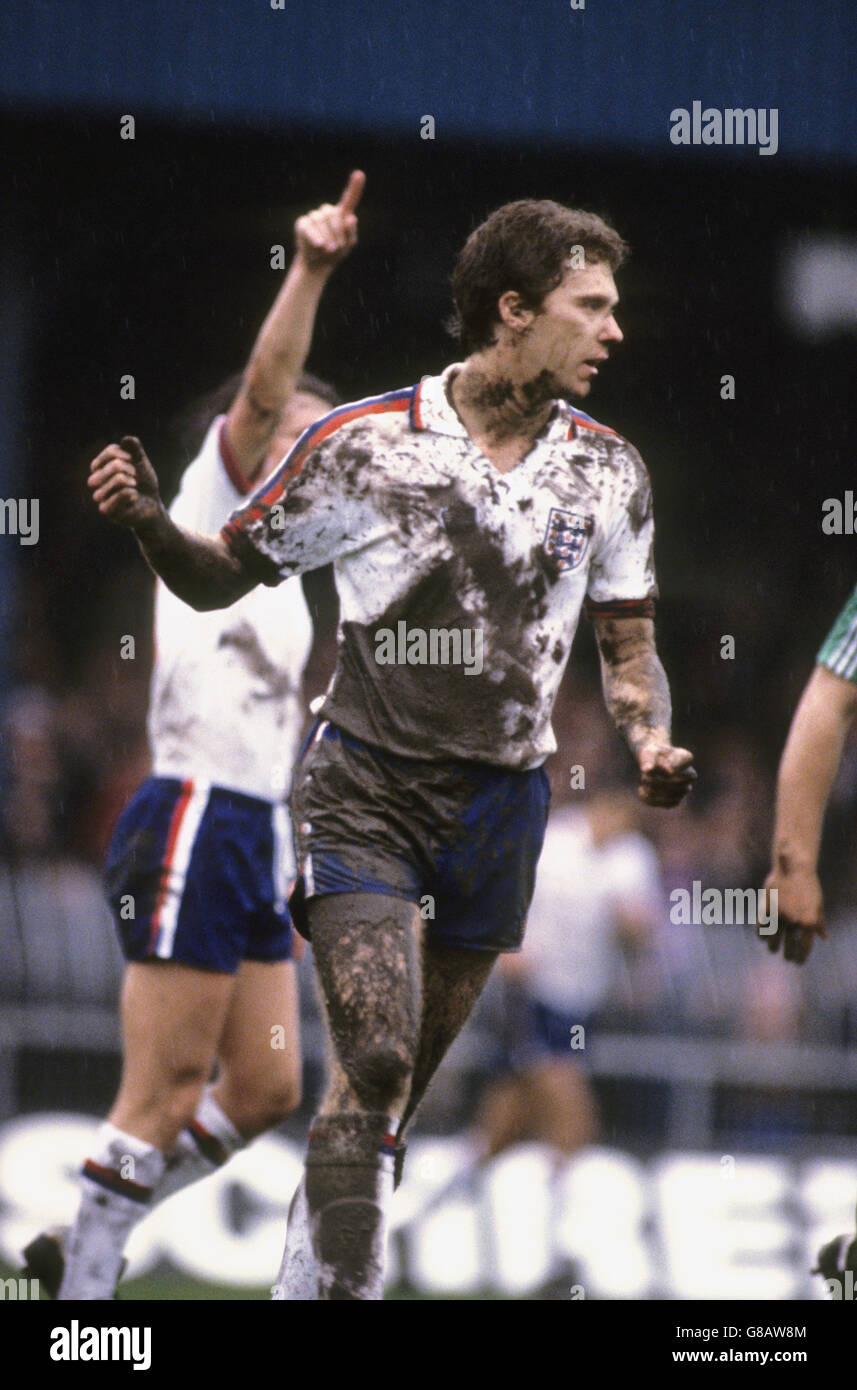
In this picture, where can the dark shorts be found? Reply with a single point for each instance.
(559, 1034)
(459, 839)
(532, 1031)
(192, 876)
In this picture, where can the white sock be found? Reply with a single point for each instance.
(116, 1189)
(203, 1146)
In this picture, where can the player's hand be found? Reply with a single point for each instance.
(666, 773)
(796, 914)
(324, 236)
(124, 484)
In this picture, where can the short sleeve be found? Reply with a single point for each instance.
(622, 574)
(317, 507)
(839, 649)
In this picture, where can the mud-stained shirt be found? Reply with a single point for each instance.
(460, 586)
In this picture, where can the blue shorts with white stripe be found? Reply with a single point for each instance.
(194, 874)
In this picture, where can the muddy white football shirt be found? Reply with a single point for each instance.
(460, 587)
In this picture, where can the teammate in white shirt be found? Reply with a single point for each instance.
(468, 519)
(598, 892)
(598, 898)
(198, 869)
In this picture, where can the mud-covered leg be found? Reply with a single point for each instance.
(368, 961)
(453, 979)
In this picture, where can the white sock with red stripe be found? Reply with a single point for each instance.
(337, 1234)
(116, 1185)
(203, 1146)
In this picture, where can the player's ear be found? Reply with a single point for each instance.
(513, 313)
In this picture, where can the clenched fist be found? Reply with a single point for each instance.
(124, 484)
(666, 774)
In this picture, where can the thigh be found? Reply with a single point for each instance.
(485, 871)
(351, 835)
(368, 963)
(261, 1036)
(172, 1019)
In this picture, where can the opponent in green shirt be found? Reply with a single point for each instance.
(809, 763)
(839, 651)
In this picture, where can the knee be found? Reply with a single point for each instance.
(159, 1112)
(183, 1076)
(380, 1073)
(285, 1099)
(255, 1104)
(275, 1103)
(181, 1094)
(175, 1089)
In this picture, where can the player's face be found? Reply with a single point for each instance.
(302, 411)
(572, 334)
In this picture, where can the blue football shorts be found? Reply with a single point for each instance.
(459, 839)
(194, 874)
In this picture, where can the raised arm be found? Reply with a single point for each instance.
(202, 570)
(808, 766)
(637, 696)
(323, 237)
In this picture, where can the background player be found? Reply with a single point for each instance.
(197, 870)
(478, 504)
(826, 711)
(598, 899)
(598, 895)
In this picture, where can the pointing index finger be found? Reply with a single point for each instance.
(353, 191)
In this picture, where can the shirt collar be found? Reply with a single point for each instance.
(433, 410)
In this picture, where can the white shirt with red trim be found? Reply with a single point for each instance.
(460, 586)
(225, 703)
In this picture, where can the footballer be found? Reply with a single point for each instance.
(199, 865)
(479, 501)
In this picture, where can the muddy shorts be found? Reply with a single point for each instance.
(459, 839)
(195, 874)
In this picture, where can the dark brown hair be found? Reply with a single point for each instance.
(522, 246)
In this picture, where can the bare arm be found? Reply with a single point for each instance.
(637, 696)
(323, 237)
(807, 769)
(201, 570)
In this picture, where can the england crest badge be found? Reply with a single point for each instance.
(567, 538)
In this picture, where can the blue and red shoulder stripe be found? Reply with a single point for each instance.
(323, 429)
(311, 438)
(580, 420)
